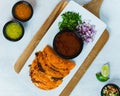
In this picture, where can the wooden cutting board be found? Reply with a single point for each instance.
(94, 7)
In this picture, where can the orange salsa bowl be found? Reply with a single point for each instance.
(22, 11)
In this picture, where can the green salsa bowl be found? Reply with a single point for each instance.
(13, 30)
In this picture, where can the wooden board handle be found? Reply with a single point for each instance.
(94, 6)
(36, 39)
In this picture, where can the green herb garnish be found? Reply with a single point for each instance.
(70, 20)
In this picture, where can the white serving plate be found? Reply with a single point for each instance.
(48, 40)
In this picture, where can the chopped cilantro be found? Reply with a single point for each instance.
(70, 21)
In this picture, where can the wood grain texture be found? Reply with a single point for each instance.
(93, 7)
(38, 36)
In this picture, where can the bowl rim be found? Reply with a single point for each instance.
(73, 56)
(4, 32)
(22, 2)
(115, 85)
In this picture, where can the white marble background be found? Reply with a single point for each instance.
(10, 83)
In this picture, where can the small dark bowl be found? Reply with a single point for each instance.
(67, 44)
(22, 11)
(114, 86)
(9, 35)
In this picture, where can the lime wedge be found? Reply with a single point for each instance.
(105, 70)
(101, 78)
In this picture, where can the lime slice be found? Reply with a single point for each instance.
(101, 78)
(105, 70)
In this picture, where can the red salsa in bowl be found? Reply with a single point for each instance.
(67, 44)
